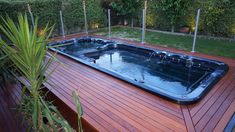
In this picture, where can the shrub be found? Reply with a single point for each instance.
(74, 16)
(48, 12)
(30, 58)
(217, 17)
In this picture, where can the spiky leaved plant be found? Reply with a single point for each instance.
(31, 59)
(4, 72)
(79, 110)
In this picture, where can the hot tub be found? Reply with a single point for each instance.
(178, 77)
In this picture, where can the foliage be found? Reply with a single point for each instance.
(31, 59)
(217, 17)
(126, 7)
(173, 10)
(73, 14)
(150, 21)
(48, 12)
(4, 68)
(95, 13)
(79, 110)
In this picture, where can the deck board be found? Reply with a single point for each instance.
(219, 113)
(213, 93)
(10, 119)
(217, 96)
(100, 77)
(114, 105)
(187, 118)
(129, 92)
(212, 110)
(226, 117)
(118, 93)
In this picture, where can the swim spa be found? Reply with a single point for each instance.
(178, 77)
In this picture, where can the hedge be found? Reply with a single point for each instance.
(47, 11)
(74, 16)
(217, 17)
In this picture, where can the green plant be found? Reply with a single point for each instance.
(47, 11)
(74, 16)
(95, 13)
(173, 10)
(3, 69)
(127, 7)
(31, 59)
(217, 17)
(79, 110)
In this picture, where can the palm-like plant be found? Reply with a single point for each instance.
(79, 110)
(4, 73)
(31, 59)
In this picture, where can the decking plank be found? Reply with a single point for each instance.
(97, 84)
(99, 98)
(219, 113)
(88, 113)
(98, 117)
(116, 92)
(226, 118)
(10, 120)
(188, 121)
(212, 110)
(69, 91)
(206, 102)
(210, 102)
(107, 79)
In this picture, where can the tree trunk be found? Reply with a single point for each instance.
(123, 20)
(132, 22)
(172, 28)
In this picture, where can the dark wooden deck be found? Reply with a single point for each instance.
(10, 119)
(114, 105)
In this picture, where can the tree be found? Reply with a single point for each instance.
(126, 7)
(217, 17)
(173, 9)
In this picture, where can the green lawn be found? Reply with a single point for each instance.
(223, 48)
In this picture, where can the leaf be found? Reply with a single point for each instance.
(29, 56)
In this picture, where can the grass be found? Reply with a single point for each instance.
(223, 48)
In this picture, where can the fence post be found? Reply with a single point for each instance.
(143, 25)
(195, 33)
(85, 20)
(109, 22)
(62, 23)
(31, 14)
